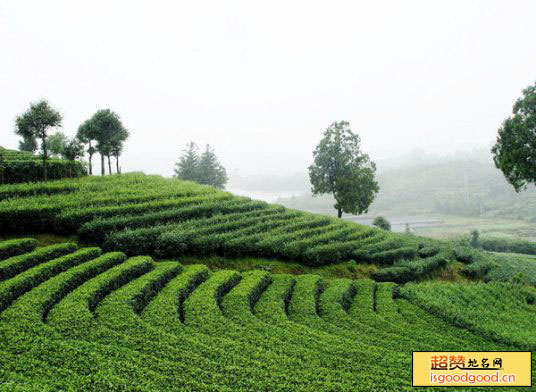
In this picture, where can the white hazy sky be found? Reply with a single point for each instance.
(260, 81)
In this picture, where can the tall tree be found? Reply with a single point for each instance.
(117, 144)
(56, 144)
(340, 168)
(72, 150)
(87, 134)
(36, 122)
(187, 166)
(210, 171)
(28, 144)
(515, 150)
(107, 127)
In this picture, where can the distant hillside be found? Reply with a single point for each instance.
(464, 188)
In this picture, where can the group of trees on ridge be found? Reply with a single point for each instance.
(203, 169)
(103, 133)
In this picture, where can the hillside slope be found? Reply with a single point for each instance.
(81, 319)
(140, 214)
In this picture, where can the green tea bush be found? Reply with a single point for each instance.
(18, 171)
(508, 245)
(16, 247)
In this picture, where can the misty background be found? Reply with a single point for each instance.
(422, 83)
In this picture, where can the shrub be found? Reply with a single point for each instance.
(17, 171)
(16, 247)
(382, 223)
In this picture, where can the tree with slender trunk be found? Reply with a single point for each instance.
(87, 135)
(340, 168)
(35, 123)
(116, 145)
(72, 150)
(108, 129)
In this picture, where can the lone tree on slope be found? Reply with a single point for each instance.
(340, 168)
(35, 123)
(515, 150)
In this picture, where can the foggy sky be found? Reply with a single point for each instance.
(260, 81)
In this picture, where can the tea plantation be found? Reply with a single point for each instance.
(167, 218)
(83, 319)
(18, 166)
(121, 312)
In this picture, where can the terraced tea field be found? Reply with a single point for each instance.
(83, 319)
(167, 218)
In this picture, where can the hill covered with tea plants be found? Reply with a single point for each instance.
(167, 218)
(83, 319)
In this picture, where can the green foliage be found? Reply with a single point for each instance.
(341, 169)
(508, 245)
(28, 144)
(512, 267)
(91, 321)
(106, 128)
(18, 169)
(35, 124)
(486, 309)
(204, 169)
(406, 271)
(210, 171)
(515, 150)
(15, 247)
(474, 242)
(56, 144)
(140, 214)
(382, 223)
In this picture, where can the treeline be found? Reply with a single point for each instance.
(508, 245)
(103, 133)
(204, 169)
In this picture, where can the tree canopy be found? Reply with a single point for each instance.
(56, 143)
(106, 130)
(210, 171)
(28, 144)
(340, 168)
(515, 150)
(87, 134)
(204, 169)
(35, 123)
(186, 167)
